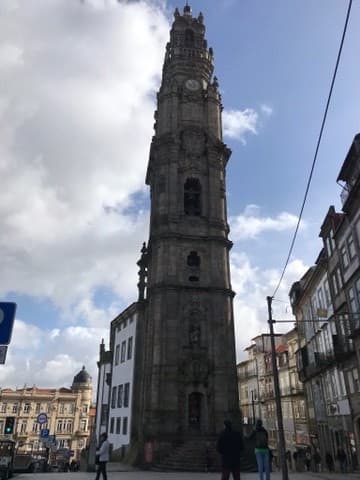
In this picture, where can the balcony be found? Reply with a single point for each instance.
(343, 347)
(81, 433)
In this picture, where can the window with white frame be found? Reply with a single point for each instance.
(321, 298)
(353, 380)
(328, 246)
(123, 351)
(35, 427)
(126, 394)
(342, 389)
(352, 300)
(3, 407)
(23, 426)
(15, 408)
(351, 246)
(118, 425)
(113, 397)
(327, 293)
(129, 348)
(124, 426)
(117, 354)
(120, 396)
(339, 278)
(59, 426)
(344, 257)
(83, 424)
(314, 306)
(37, 408)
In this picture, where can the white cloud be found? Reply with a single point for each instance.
(266, 109)
(76, 114)
(237, 123)
(250, 224)
(10, 56)
(76, 126)
(252, 285)
(50, 357)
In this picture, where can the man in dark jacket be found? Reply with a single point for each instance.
(230, 445)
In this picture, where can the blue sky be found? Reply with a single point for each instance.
(76, 115)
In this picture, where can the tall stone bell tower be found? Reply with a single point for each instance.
(188, 366)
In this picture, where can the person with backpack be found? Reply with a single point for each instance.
(229, 445)
(262, 453)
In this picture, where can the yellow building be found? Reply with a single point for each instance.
(67, 411)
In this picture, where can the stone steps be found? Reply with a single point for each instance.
(199, 456)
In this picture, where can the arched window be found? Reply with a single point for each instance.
(193, 260)
(192, 197)
(189, 38)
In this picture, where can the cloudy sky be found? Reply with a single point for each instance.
(77, 96)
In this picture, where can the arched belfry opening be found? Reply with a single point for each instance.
(192, 197)
(193, 259)
(189, 38)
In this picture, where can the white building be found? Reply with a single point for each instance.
(115, 381)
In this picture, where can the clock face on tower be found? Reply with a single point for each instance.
(192, 84)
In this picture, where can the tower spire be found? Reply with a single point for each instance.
(187, 9)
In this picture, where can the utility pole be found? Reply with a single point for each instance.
(282, 454)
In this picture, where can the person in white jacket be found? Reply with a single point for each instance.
(102, 453)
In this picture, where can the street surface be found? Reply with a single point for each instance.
(122, 474)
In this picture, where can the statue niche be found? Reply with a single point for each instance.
(194, 335)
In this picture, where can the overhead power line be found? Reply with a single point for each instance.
(317, 147)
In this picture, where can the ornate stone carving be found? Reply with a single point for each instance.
(195, 369)
(194, 335)
(193, 142)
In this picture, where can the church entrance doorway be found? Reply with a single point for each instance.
(195, 410)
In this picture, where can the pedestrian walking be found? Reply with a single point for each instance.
(229, 445)
(317, 461)
(102, 454)
(341, 456)
(262, 452)
(329, 461)
(308, 459)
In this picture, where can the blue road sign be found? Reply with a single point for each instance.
(7, 317)
(42, 418)
(44, 433)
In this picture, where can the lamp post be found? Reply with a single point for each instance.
(253, 406)
(283, 462)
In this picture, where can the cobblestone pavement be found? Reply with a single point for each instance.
(122, 473)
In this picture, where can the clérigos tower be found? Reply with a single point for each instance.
(188, 368)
